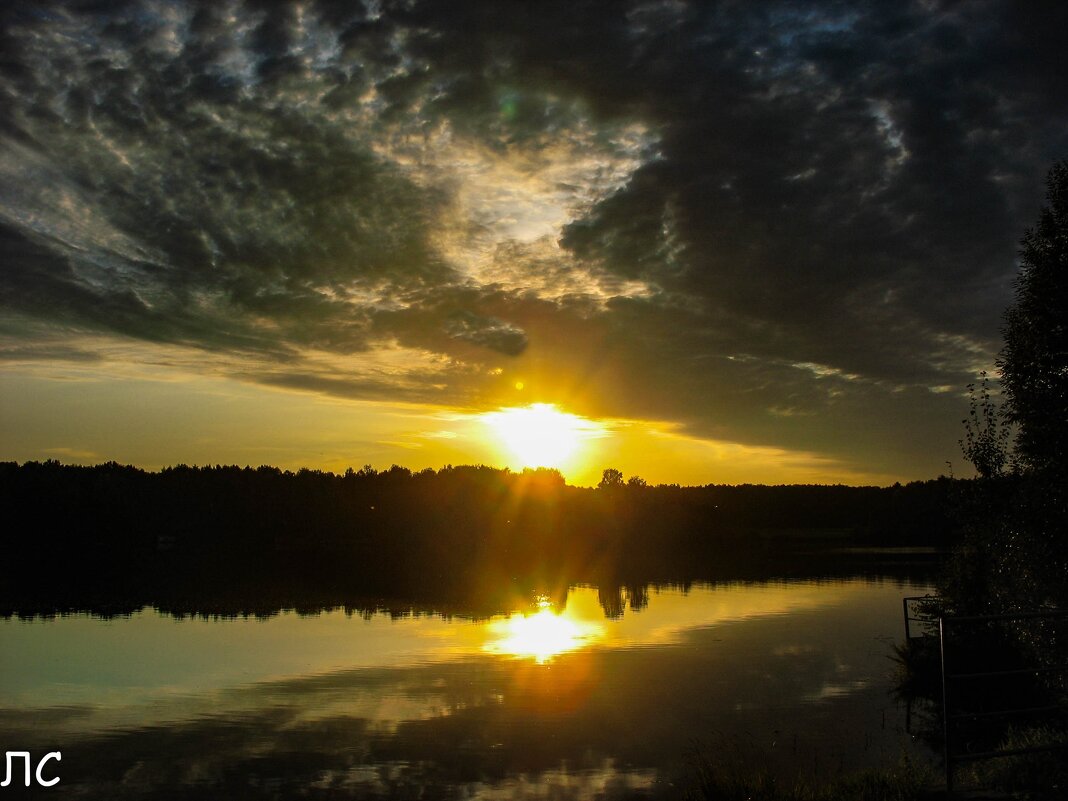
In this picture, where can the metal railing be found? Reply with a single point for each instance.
(954, 674)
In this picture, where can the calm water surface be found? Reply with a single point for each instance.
(553, 701)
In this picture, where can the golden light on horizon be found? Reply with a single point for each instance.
(540, 435)
(541, 635)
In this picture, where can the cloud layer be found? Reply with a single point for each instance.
(781, 227)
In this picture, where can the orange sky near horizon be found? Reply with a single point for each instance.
(153, 420)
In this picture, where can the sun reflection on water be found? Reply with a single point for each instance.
(541, 635)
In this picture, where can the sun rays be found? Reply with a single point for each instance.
(540, 435)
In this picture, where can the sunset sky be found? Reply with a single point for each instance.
(700, 242)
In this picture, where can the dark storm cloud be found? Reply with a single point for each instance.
(837, 177)
(164, 193)
(817, 238)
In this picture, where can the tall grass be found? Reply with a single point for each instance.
(726, 779)
(1040, 775)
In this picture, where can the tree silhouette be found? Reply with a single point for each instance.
(986, 436)
(1015, 554)
(611, 479)
(1034, 360)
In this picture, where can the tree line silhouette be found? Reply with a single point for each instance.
(468, 539)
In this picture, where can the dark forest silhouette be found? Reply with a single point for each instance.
(466, 540)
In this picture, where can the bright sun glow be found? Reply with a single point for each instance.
(541, 635)
(540, 435)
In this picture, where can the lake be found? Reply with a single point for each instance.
(589, 695)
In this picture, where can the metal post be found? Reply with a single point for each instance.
(946, 750)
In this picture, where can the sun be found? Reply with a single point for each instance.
(540, 435)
